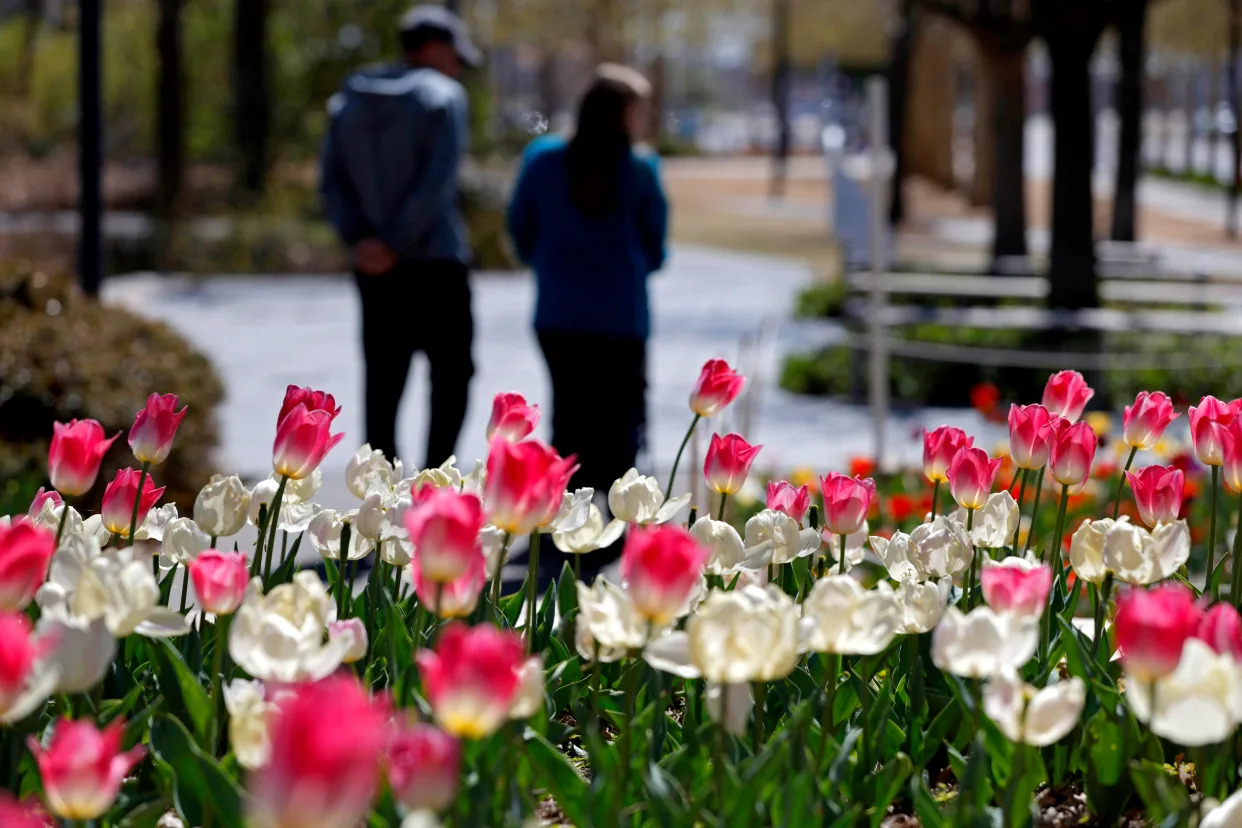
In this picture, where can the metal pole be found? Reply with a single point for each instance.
(877, 97)
(90, 146)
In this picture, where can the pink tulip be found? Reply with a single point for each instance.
(939, 448)
(151, 436)
(328, 741)
(1145, 421)
(444, 531)
(83, 767)
(1066, 394)
(117, 508)
(355, 633)
(77, 450)
(785, 498)
(728, 462)
(450, 599)
(220, 580)
(1073, 450)
(660, 567)
(717, 386)
(512, 418)
(971, 475)
(25, 553)
(1157, 493)
(1015, 587)
(309, 397)
(25, 814)
(847, 500)
(471, 678)
(42, 497)
(424, 767)
(1151, 627)
(303, 439)
(1030, 435)
(20, 648)
(1231, 455)
(525, 484)
(1208, 421)
(1221, 628)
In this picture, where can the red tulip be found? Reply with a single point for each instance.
(117, 508)
(83, 767)
(512, 418)
(1221, 628)
(309, 397)
(525, 484)
(717, 386)
(939, 447)
(151, 436)
(728, 463)
(785, 498)
(25, 553)
(20, 649)
(450, 599)
(472, 677)
(220, 580)
(1030, 435)
(1016, 588)
(77, 450)
(971, 476)
(24, 814)
(660, 567)
(1145, 421)
(444, 531)
(1073, 449)
(328, 741)
(1066, 394)
(424, 767)
(1157, 493)
(1208, 421)
(1151, 627)
(847, 500)
(303, 439)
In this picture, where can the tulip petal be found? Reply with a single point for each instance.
(670, 653)
(162, 623)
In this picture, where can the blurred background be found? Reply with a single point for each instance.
(1051, 183)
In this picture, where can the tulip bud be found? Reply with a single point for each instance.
(1208, 423)
(1030, 435)
(151, 436)
(444, 531)
(221, 506)
(220, 580)
(471, 678)
(25, 552)
(310, 398)
(83, 767)
(73, 459)
(525, 484)
(450, 599)
(728, 463)
(303, 439)
(784, 498)
(1157, 493)
(1151, 626)
(49, 499)
(1016, 585)
(424, 767)
(847, 500)
(660, 567)
(939, 448)
(354, 632)
(1221, 629)
(1066, 394)
(1145, 421)
(118, 500)
(717, 386)
(512, 418)
(971, 475)
(1073, 449)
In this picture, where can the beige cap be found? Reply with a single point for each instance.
(624, 78)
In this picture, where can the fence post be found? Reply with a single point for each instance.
(877, 386)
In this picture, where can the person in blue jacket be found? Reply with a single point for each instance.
(590, 217)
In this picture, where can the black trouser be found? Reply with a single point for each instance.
(417, 306)
(599, 412)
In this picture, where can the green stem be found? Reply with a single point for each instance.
(627, 735)
(211, 544)
(1235, 593)
(396, 584)
(273, 518)
(864, 701)
(761, 697)
(60, 528)
(1121, 484)
(1039, 489)
(841, 560)
(1058, 574)
(500, 568)
(185, 587)
(217, 674)
(1017, 530)
(974, 560)
(532, 590)
(256, 563)
(718, 761)
(826, 716)
(1211, 552)
(577, 568)
(935, 498)
(133, 518)
(724, 498)
(672, 476)
(1101, 610)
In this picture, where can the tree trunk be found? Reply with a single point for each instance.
(252, 113)
(1131, 20)
(1007, 145)
(898, 94)
(169, 140)
(33, 13)
(1235, 103)
(780, 95)
(1071, 270)
(983, 133)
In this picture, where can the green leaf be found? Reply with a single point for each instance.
(553, 770)
(1106, 747)
(886, 786)
(182, 688)
(1075, 652)
(1163, 794)
(933, 738)
(929, 813)
(202, 791)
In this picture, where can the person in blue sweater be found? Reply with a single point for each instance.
(590, 217)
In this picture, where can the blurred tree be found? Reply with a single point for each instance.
(32, 12)
(781, 27)
(170, 129)
(1130, 20)
(251, 100)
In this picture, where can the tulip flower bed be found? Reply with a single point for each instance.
(149, 675)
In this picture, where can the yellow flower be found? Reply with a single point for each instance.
(802, 476)
(1100, 423)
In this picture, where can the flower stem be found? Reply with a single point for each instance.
(1121, 484)
(1039, 489)
(217, 674)
(972, 573)
(1017, 530)
(718, 761)
(60, 528)
(396, 584)
(1235, 592)
(532, 589)
(1101, 610)
(133, 519)
(724, 498)
(672, 476)
(185, 587)
(841, 562)
(935, 498)
(761, 697)
(500, 566)
(342, 570)
(826, 716)
(1058, 574)
(627, 735)
(577, 568)
(273, 518)
(1211, 552)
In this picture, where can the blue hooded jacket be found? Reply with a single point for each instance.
(389, 170)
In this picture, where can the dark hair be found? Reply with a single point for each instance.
(414, 39)
(598, 154)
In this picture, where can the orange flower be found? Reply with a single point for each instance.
(984, 398)
(900, 506)
(861, 466)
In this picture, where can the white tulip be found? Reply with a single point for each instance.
(995, 523)
(18, 702)
(221, 506)
(48, 517)
(251, 714)
(367, 465)
(303, 489)
(574, 512)
(839, 616)
(184, 541)
(116, 587)
(983, 643)
(369, 522)
(84, 648)
(476, 481)
(156, 523)
(728, 554)
(1132, 553)
(855, 545)
(589, 537)
(443, 476)
(607, 618)
(940, 549)
(281, 636)
(295, 515)
(1199, 703)
(730, 704)
(325, 536)
(1227, 814)
(354, 633)
(922, 604)
(1030, 715)
(492, 539)
(1086, 552)
(894, 553)
(637, 498)
(777, 535)
(529, 699)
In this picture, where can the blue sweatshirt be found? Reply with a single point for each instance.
(590, 272)
(390, 161)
